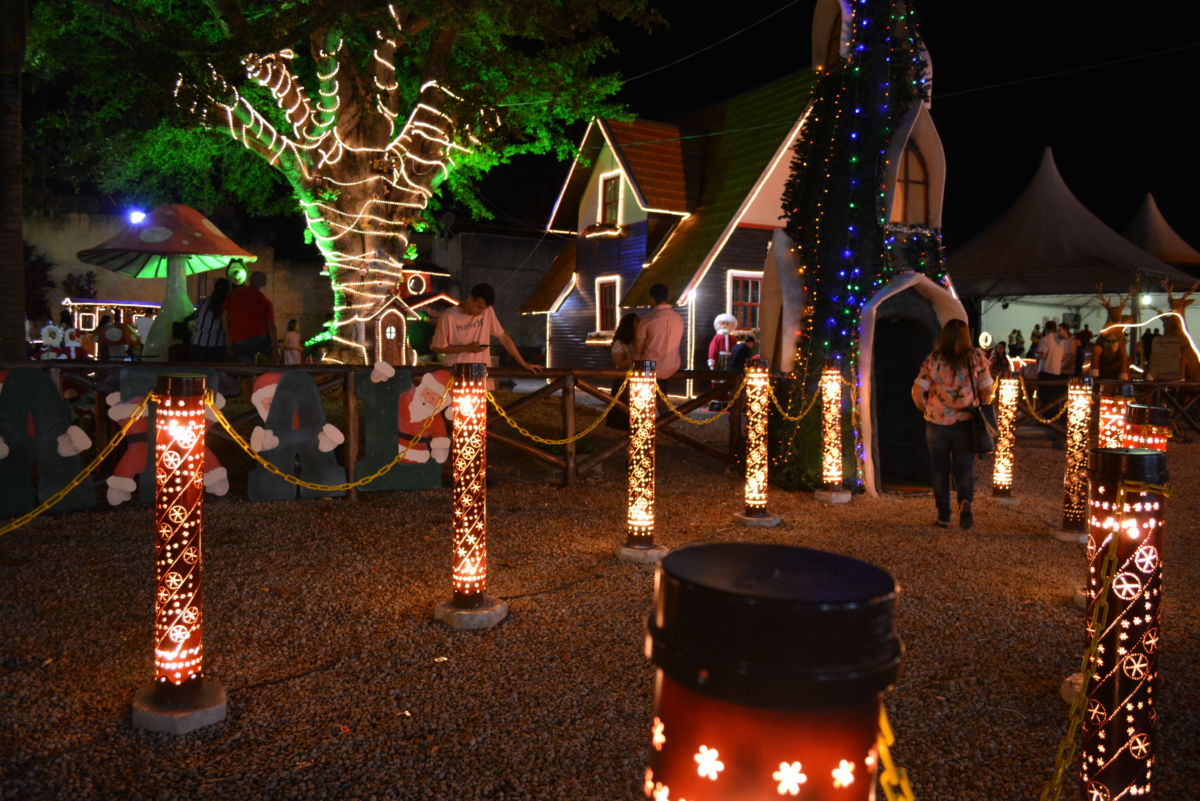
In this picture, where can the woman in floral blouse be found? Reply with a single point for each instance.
(944, 391)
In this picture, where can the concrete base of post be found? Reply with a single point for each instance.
(1006, 500)
(1072, 686)
(206, 707)
(1074, 537)
(642, 556)
(477, 618)
(763, 519)
(832, 496)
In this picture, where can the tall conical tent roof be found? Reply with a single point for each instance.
(1149, 231)
(1048, 243)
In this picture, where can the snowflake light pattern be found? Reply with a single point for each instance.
(1007, 393)
(1075, 480)
(843, 774)
(831, 427)
(658, 738)
(640, 519)
(790, 776)
(469, 549)
(708, 764)
(758, 389)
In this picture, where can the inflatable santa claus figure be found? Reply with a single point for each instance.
(264, 439)
(123, 482)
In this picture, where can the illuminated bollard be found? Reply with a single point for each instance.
(1147, 427)
(831, 437)
(1007, 393)
(1114, 400)
(772, 661)
(1075, 480)
(181, 699)
(639, 528)
(471, 607)
(1121, 705)
(758, 398)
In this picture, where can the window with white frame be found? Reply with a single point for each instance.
(744, 297)
(610, 199)
(608, 289)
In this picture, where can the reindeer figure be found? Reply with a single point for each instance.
(1115, 310)
(1176, 325)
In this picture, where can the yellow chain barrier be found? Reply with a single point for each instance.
(1099, 621)
(796, 419)
(546, 441)
(724, 410)
(299, 482)
(75, 482)
(892, 778)
(1033, 409)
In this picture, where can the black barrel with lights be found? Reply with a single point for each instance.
(1147, 427)
(772, 661)
(1121, 709)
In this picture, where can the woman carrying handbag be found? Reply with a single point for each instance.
(952, 386)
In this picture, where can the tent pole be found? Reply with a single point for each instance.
(1135, 302)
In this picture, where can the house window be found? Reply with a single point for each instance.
(911, 202)
(745, 295)
(607, 308)
(87, 321)
(610, 199)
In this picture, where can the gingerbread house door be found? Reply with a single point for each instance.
(391, 342)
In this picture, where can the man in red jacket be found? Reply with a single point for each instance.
(250, 321)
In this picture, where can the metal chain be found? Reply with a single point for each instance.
(724, 410)
(1052, 791)
(1033, 410)
(546, 441)
(892, 778)
(12, 525)
(299, 482)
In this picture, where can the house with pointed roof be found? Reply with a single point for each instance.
(691, 205)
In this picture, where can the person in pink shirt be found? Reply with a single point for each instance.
(464, 333)
(659, 335)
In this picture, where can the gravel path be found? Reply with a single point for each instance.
(341, 686)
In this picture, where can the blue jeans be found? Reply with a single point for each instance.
(244, 350)
(950, 453)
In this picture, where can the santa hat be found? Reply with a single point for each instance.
(724, 322)
(264, 389)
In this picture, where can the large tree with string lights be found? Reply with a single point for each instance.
(363, 109)
(835, 203)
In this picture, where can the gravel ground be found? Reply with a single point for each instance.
(341, 686)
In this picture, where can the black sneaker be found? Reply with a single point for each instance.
(966, 518)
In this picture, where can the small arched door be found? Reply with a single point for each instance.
(901, 343)
(391, 341)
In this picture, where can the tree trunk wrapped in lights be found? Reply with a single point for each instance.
(181, 699)
(1147, 427)
(1075, 481)
(831, 427)
(772, 661)
(1007, 393)
(178, 519)
(470, 484)
(1121, 707)
(1114, 399)
(639, 531)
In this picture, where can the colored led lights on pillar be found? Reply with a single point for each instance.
(758, 392)
(180, 699)
(1117, 744)
(1147, 427)
(639, 529)
(772, 661)
(471, 608)
(1007, 392)
(1114, 398)
(1075, 482)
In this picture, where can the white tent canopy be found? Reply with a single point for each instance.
(1048, 243)
(1150, 231)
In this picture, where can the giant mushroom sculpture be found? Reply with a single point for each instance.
(173, 241)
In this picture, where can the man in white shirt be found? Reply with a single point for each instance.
(464, 333)
(1052, 353)
(659, 335)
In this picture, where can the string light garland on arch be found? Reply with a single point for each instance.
(359, 186)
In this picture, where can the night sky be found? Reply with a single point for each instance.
(1118, 130)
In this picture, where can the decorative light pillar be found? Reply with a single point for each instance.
(758, 394)
(1114, 400)
(772, 661)
(181, 699)
(1147, 427)
(831, 436)
(1075, 480)
(1007, 393)
(1121, 706)
(471, 607)
(639, 529)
